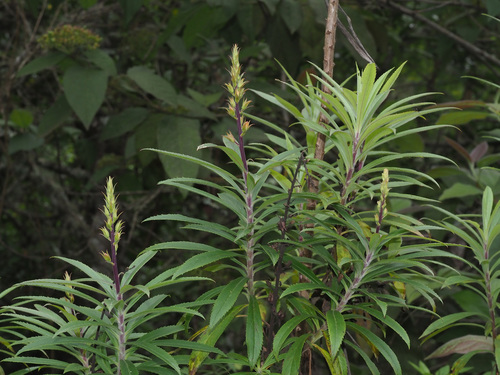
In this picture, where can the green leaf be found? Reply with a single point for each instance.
(160, 353)
(487, 208)
(24, 142)
(54, 117)
(130, 7)
(461, 117)
(128, 368)
(123, 122)
(463, 345)
(102, 60)
(202, 260)
(291, 13)
(226, 299)
(460, 190)
(291, 363)
(254, 332)
(153, 84)
(380, 345)
(210, 337)
(21, 117)
(41, 63)
(445, 321)
(85, 89)
(336, 330)
(179, 135)
(285, 330)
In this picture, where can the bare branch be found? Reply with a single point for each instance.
(483, 55)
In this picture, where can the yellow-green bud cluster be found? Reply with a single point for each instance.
(236, 87)
(69, 296)
(113, 226)
(382, 203)
(68, 39)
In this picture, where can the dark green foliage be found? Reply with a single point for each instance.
(345, 276)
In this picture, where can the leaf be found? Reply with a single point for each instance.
(102, 60)
(291, 13)
(179, 135)
(123, 122)
(160, 353)
(378, 344)
(210, 337)
(202, 260)
(445, 321)
(336, 330)
(54, 117)
(486, 210)
(460, 190)
(459, 148)
(285, 331)
(85, 89)
(291, 363)
(153, 84)
(130, 7)
(478, 152)
(41, 63)
(226, 300)
(463, 345)
(461, 117)
(21, 117)
(24, 142)
(128, 368)
(254, 332)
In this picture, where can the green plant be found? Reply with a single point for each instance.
(100, 324)
(354, 246)
(479, 299)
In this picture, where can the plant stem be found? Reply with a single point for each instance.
(120, 316)
(248, 204)
(282, 226)
(356, 282)
(489, 296)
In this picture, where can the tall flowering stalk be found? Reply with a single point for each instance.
(112, 231)
(237, 104)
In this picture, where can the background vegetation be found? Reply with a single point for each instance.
(72, 114)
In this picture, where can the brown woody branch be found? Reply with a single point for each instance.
(483, 55)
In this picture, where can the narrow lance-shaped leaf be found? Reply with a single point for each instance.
(254, 333)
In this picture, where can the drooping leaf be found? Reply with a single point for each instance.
(84, 89)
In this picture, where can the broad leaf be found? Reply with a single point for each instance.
(84, 89)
